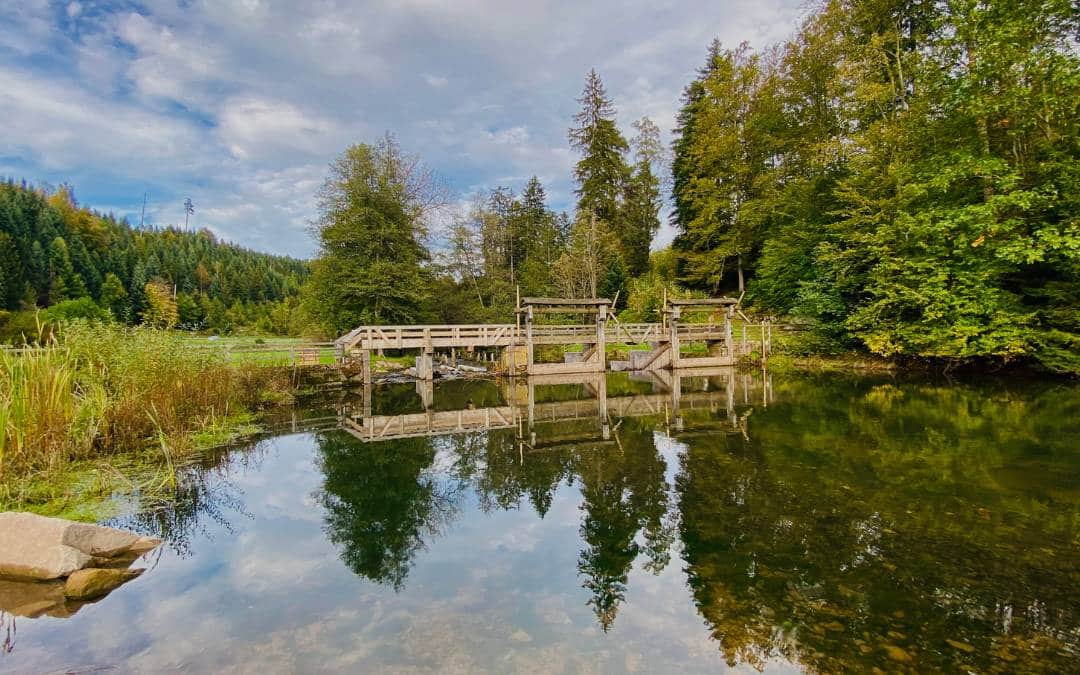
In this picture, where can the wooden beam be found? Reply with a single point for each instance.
(558, 302)
(543, 309)
(702, 302)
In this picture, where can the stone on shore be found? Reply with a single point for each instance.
(93, 583)
(36, 547)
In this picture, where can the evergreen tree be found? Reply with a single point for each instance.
(114, 297)
(371, 231)
(601, 173)
(641, 207)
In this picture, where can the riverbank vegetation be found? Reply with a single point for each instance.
(903, 174)
(899, 177)
(96, 391)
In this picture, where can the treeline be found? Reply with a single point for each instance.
(379, 264)
(75, 262)
(903, 173)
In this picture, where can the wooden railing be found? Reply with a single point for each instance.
(504, 335)
(419, 337)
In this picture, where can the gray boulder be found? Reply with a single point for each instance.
(36, 547)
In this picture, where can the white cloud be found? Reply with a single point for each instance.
(436, 81)
(242, 105)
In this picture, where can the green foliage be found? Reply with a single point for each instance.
(371, 231)
(96, 389)
(918, 194)
(52, 250)
(602, 170)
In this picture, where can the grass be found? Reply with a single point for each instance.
(99, 397)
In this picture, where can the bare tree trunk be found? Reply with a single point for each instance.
(742, 283)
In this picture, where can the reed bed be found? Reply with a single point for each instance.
(98, 389)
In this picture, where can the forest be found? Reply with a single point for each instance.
(899, 178)
(77, 263)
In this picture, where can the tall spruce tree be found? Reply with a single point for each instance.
(642, 201)
(601, 173)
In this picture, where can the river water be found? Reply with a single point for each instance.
(737, 522)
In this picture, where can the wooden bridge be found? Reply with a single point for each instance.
(518, 341)
(522, 412)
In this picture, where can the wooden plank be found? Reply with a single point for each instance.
(702, 302)
(569, 302)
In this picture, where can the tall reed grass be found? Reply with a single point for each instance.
(96, 389)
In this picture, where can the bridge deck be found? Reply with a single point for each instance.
(387, 427)
(506, 335)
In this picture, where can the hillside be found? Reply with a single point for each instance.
(54, 252)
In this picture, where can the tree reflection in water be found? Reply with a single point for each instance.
(381, 501)
(870, 527)
(848, 525)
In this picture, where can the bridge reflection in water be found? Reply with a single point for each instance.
(580, 397)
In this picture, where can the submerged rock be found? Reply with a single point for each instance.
(962, 646)
(36, 547)
(897, 654)
(93, 583)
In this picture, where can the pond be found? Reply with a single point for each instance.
(734, 521)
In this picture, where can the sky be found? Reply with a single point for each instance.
(241, 105)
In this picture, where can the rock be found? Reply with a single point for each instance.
(897, 654)
(962, 646)
(520, 636)
(93, 583)
(37, 547)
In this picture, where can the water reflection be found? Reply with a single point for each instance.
(523, 440)
(820, 524)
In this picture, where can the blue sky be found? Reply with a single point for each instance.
(241, 105)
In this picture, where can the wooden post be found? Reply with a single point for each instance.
(365, 365)
(601, 339)
(729, 341)
(676, 399)
(763, 346)
(426, 389)
(601, 396)
(529, 339)
(424, 366)
(673, 328)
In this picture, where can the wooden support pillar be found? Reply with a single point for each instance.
(763, 345)
(453, 356)
(529, 355)
(601, 397)
(601, 339)
(676, 400)
(673, 328)
(532, 410)
(426, 390)
(729, 340)
(729, 379)
(365, 365)
(424, 367)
